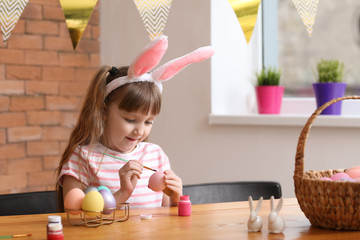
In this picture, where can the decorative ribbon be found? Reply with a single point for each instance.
(307, 10)
(246, 11)
(77, 15)
(10, 12)
(154, 15)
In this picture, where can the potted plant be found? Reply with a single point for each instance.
(268, 92)
(329, 85)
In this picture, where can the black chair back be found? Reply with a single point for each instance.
(231, 191)
(28, 203)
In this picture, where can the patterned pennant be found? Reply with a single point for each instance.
(154, 15)
(246, 11)
(77, 15)
(10, 12)
(307, 10)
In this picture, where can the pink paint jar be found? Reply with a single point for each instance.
(184, 206)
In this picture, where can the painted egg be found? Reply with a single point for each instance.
(338, 176)
(73, 200)
(103, 187)
(326, 179)
(157, 181)
(89, 189)
(93, 203)
(353, 172)
(109, 201)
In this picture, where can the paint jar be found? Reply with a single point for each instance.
(53, 219)
(55, 231)
(184, 206)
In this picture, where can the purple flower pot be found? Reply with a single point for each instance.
(325, 92)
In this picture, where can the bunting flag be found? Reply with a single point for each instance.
(246, 11)
(154, 14)
(307, 10)
(10, 12)
(77, 15)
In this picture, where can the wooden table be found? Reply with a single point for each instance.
(208, 221)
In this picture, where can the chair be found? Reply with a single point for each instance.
(231, 191)
(28, 203)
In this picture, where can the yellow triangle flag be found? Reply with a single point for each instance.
(154, 15)
(77, 15)
(246, 11)
(10, 12)
(307, 10)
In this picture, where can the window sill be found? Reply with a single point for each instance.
(285, 120)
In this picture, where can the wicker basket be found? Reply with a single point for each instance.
(327, 204)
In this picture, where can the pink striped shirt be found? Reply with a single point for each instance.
(92, 168)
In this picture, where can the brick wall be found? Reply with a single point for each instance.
(42, 82)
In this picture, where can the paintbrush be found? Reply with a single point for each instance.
(16, 236)
(127, 161)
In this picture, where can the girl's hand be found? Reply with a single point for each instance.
(173, 186)
(129, 175)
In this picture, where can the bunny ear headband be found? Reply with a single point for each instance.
(150, 57)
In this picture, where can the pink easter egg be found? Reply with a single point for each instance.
(326, 179)
(157, 181)
(338, 176)
(353, 172)
(73, 200)
(346, 180)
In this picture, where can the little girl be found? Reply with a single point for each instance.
(116, 118)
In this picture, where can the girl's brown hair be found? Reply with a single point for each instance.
(143, 97)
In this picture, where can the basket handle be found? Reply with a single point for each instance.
(299, 158)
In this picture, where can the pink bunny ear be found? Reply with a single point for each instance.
(171, 68)
(149, 58)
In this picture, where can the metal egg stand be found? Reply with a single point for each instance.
(95, 219)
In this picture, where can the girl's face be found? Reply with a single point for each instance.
(124, 130)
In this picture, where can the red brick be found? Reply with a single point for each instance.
(64, 31)
(23, 165)
(63, 146)
(86, 33)
(53, 13)
(56, 133)
(58, 74)
(73, 89)
(95, 32)
(12, 119)
(39, 148)
(19, 27)
(69, 119)
(74, 60)
(3, 167)
(95, 60)
(88, 46)
(94, 19)
(32, 11)
(41, 87)
(2, 71)
(23, 72)
(44, 118)
(26, 103)
(21, 134)
(12, 151)
(51, 162)
(42, 27)
(4, 104)
(12, 87)
(41, 178)
(2, 136)
(62, 103)
(12, 182)
(12, 56)
(24, 41)
(85, 74)
(58, 43)
(41, 57)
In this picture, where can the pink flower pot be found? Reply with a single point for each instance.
(269, 99)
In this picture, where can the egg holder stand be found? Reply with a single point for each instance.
(100, 219)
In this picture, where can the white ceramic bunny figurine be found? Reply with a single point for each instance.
(276, 222)
(255, 222)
